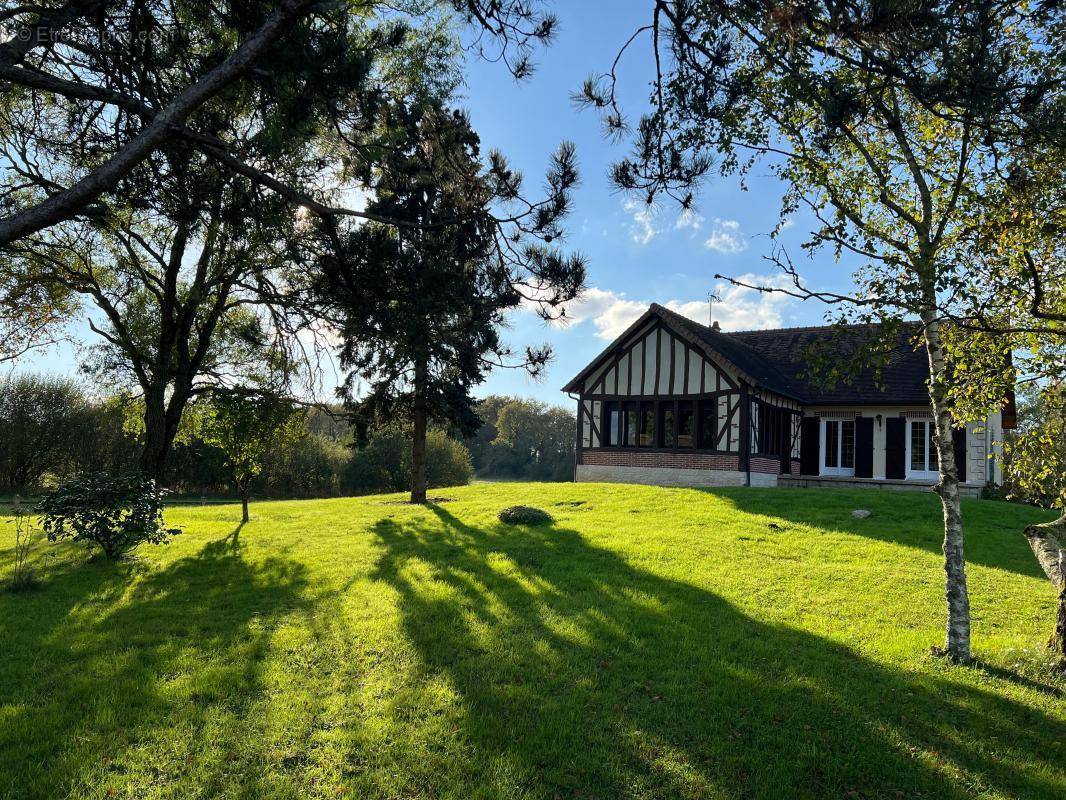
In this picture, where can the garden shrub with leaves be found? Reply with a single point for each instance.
(113, 512)
(525, 515)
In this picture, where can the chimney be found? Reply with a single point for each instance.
(715, 326)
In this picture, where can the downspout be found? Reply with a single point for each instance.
(577, 431)
(990, 458)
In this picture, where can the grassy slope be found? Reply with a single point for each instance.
(652, 643)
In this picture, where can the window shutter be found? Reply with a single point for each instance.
(809, 446)
(895, 447)
(864, 447)
(958, 440)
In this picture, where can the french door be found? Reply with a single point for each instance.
(922, 461)
(838, 447)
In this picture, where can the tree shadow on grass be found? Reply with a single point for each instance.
(579, 675)
(104, 672)
(993, 530)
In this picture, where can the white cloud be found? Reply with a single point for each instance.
(610, 312)
(726, 237)
(689, 219)
(643, 229)
(647, 223)
(739, 308)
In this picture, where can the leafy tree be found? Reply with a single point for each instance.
(43, 425)
(897, 128)
(534, 441)
(1036, 464)
(419, 307)
(480, 443)
(246, 427)
(384, 463)
(309, 465)
(152, 171)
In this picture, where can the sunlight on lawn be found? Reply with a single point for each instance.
(650, 643)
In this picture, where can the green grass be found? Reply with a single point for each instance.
(649, 643)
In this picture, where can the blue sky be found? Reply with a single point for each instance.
(635, 255)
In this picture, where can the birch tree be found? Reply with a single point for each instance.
(894, 127)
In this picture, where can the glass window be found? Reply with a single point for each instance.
(918, 439)
(666, 425)
(647, 424)
(847, 445)
(924, 456)
(612, 418)
(629, 427)
(832, 443)
(686, 424)
(708, 414)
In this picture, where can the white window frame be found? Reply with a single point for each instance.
(837, 471)
(922, 474)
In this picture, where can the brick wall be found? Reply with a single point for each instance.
(771, 466)
(630, 458)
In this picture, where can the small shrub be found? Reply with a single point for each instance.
(22, 575)
(525, 515)
(113, 512)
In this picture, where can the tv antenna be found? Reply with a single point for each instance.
(712, 298)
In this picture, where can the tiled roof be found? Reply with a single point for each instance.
(780, 360)
(902, 378)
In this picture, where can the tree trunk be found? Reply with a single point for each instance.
(1051, 556)
(418, 440)
(156, 447)
(1057, 642)
(244, 505)
(161, 421)
(957, 646)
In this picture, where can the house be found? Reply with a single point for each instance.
(675, 403)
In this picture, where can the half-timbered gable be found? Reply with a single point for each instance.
(675, 402)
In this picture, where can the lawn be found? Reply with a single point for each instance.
(652, 643)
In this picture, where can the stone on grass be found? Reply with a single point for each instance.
(860, 513)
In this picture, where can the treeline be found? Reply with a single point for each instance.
(523, 440)
(52, 428)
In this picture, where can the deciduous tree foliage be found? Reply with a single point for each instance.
(1037, 467)
(43, 423)
(247, 426)
(904, 129)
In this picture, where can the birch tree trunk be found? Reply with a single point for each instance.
(1051, 555)
(957, 646)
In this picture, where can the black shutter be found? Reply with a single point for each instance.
(809, 446)
(895, 447)
(864, 447)
(784, 427)
(958, 440)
